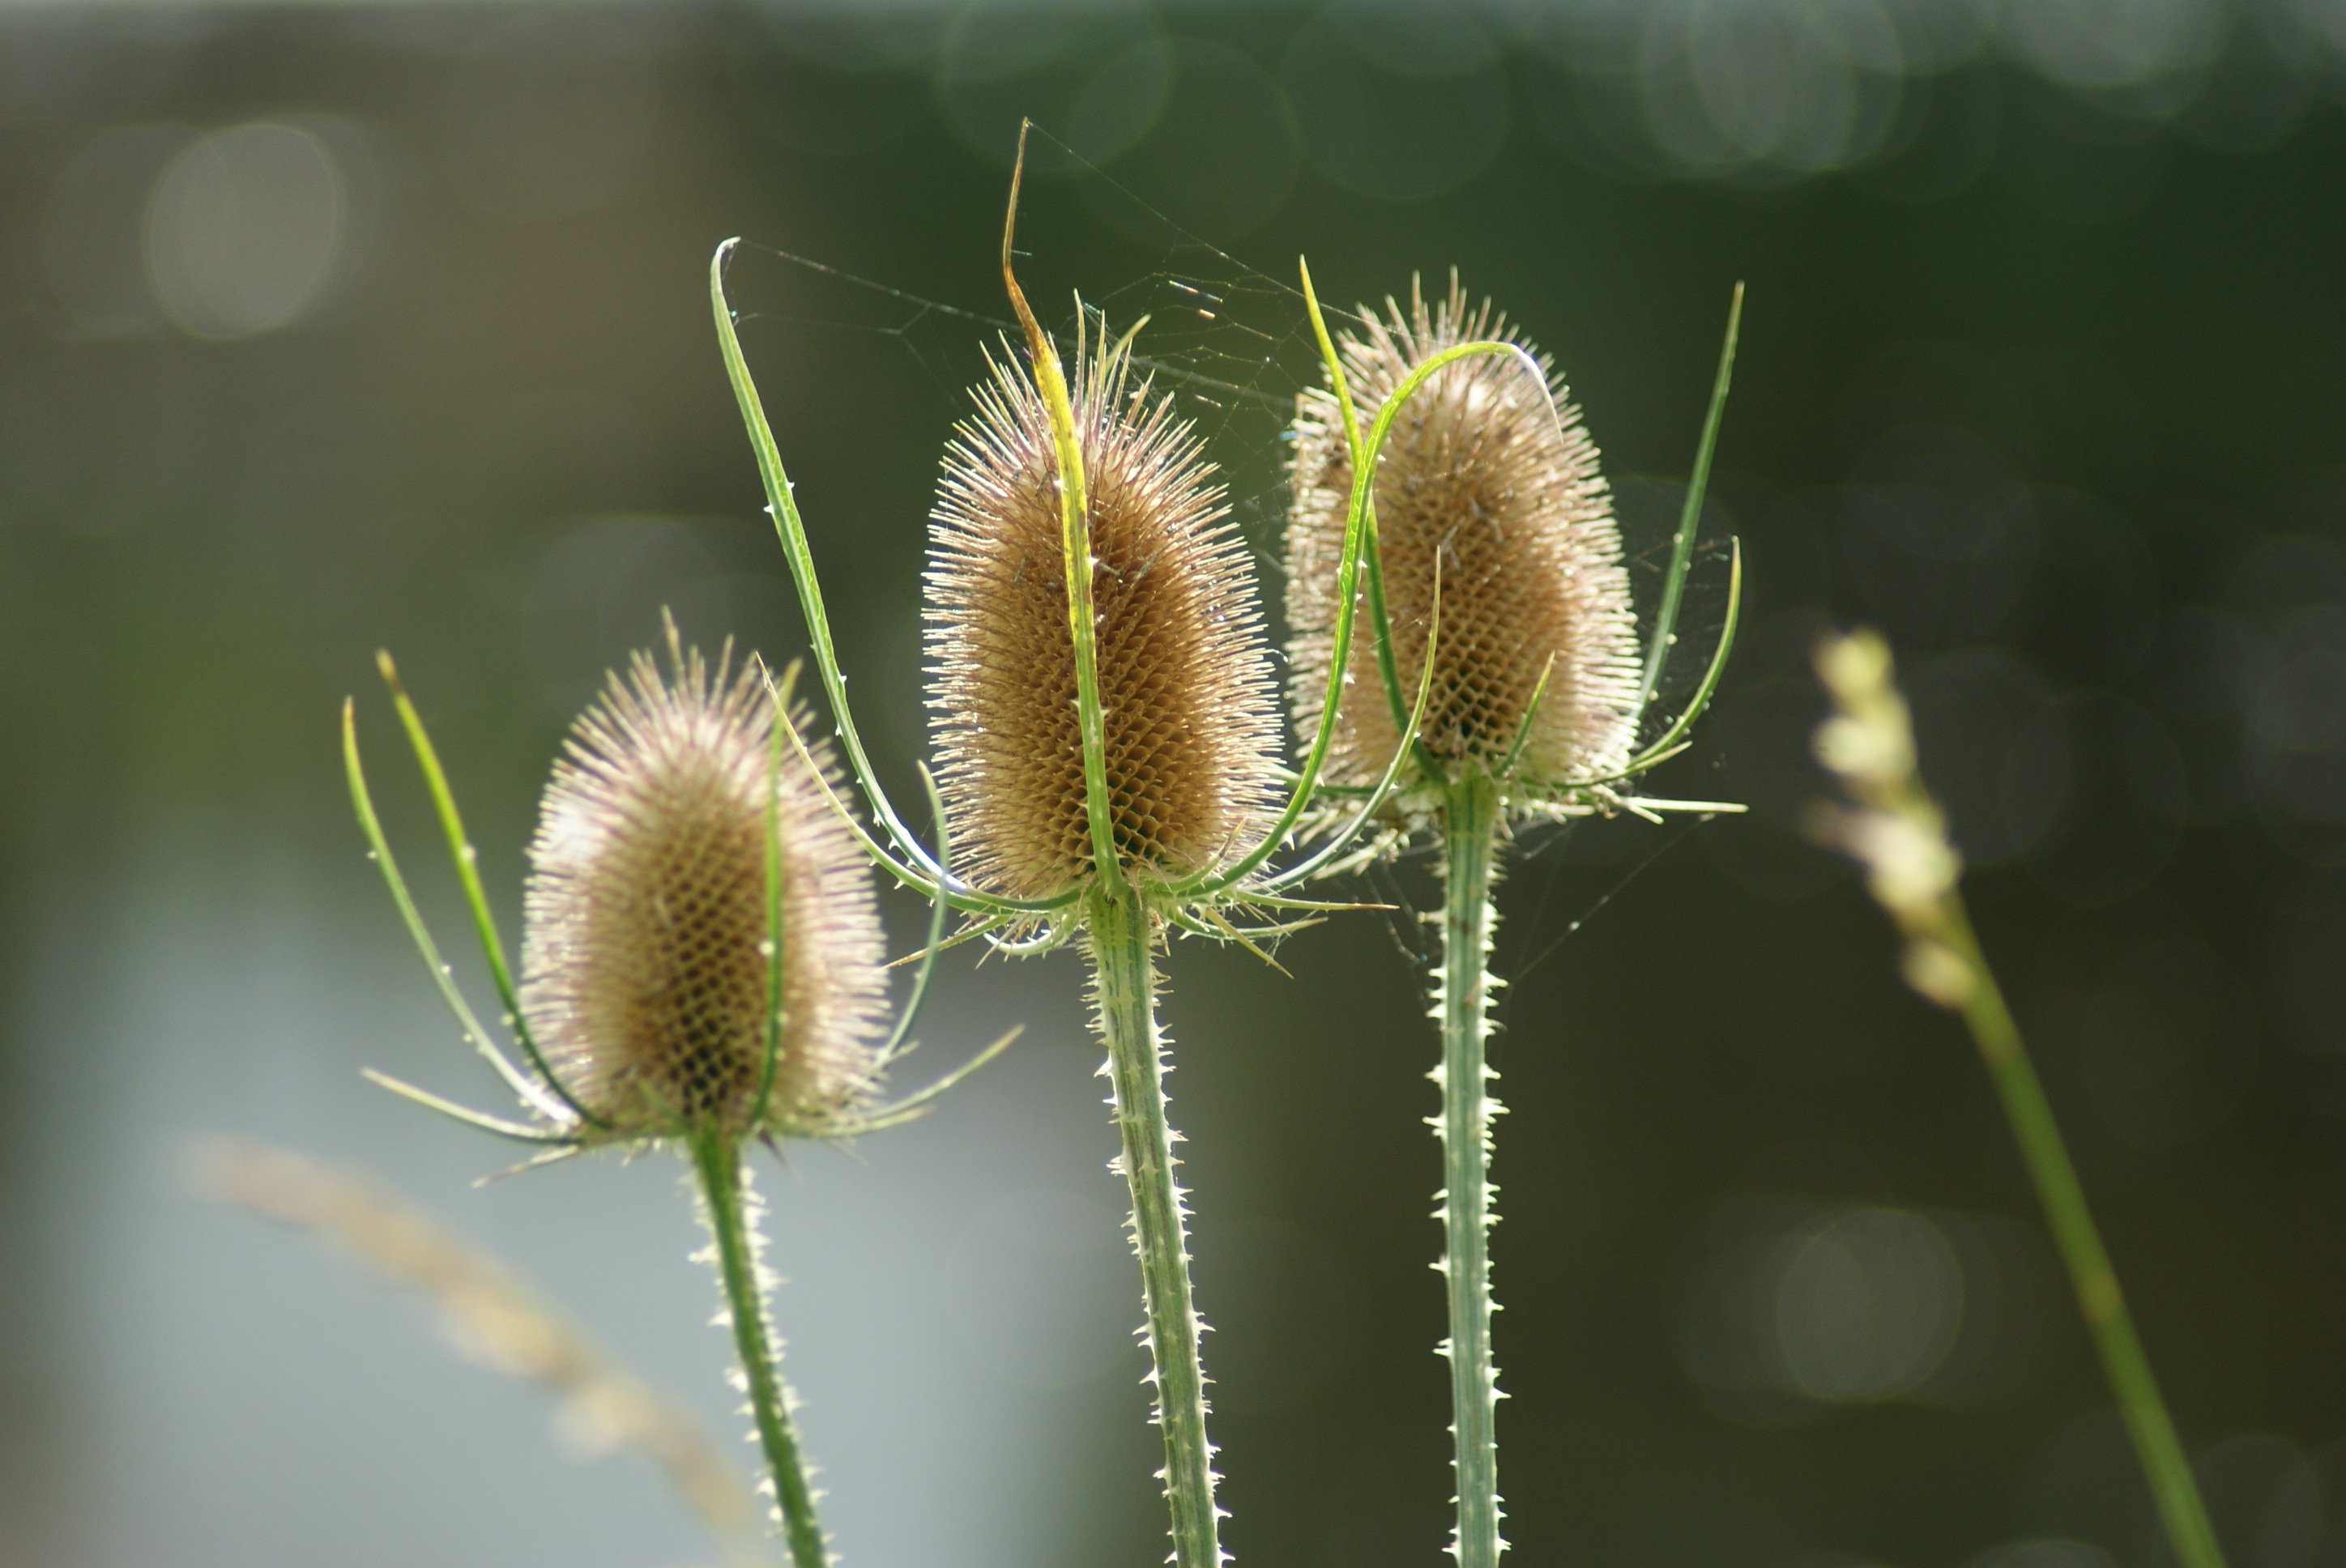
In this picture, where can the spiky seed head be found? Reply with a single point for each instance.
(1190, 709)
(645, 976)
(1492, 476)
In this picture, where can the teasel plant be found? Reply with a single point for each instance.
(1887, 823)
(702, 969)
(1110, 735)
(1487, 516)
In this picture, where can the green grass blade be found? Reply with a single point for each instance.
(2166, 1468)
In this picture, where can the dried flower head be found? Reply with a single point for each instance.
(1189, 713)
(1488, 484)
(647, 976)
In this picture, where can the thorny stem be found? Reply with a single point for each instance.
(724, 1185)
(1120, 931)
(1469, 823)
(2079, 1241)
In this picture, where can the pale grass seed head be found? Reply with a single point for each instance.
(645, 954)
(1189, 709)
(493, 1318)
(1889, 824)
(1490, 477)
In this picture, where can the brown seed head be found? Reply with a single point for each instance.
(644, 957)
(1190, 713)
(1479, 475)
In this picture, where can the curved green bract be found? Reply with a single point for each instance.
(771, 1061)
(1702, 695)
(1671, 741)
(468, 875)
(917, 869)
(1363, 457)
(1506, 768)
(792, 532)
(1359, 546)
(935, 944)
(1348, 570)
(1052, 936)
(1363, 500)
(1666, 618)
(1364, 454)
(1312, 865)
(1075, 548)
(371, 826)
(519, 1132)
(961, 897)
(914, 1106)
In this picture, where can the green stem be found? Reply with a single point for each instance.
(2104, 1305)
(1119, 933)
(724, 1185)
(1469, 837)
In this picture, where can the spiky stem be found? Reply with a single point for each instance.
(2079, 1241)
(725, 1192)
(1470, 820)
(1119, 933)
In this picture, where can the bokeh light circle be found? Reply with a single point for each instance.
(243, 229)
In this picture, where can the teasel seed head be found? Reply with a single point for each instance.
(1490, 481)
(1189, 709)
(645, 954)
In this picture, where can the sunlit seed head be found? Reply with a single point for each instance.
(645, 976)
(1189, 709)
(1489, 475)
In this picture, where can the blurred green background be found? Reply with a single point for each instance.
(327, 328)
